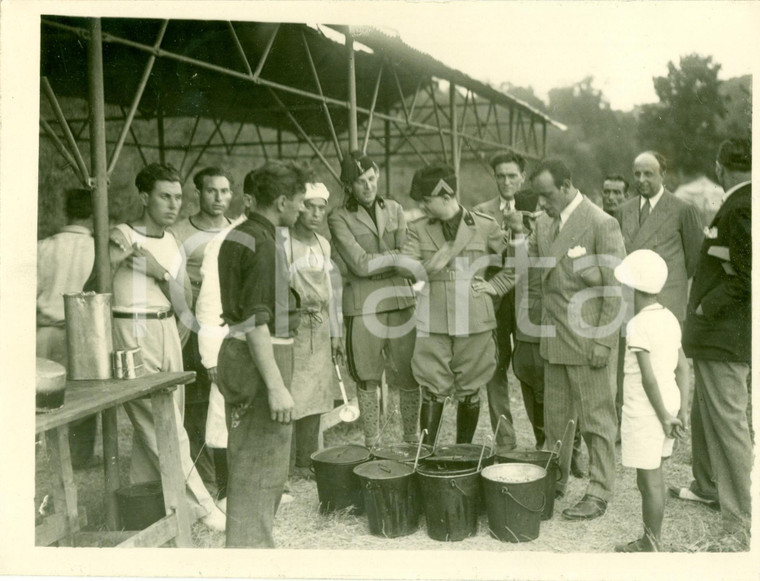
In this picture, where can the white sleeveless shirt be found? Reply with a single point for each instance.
(136, 292)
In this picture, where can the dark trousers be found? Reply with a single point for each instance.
(196, 411)
(528, 366)
(498, 387)
(220, 467)
(258, 449)
(82, 441)
(305, 441)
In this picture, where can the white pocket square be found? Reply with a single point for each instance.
(576, 252)
(711, 233)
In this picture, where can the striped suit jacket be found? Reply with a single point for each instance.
(572, 289)
(674, 232)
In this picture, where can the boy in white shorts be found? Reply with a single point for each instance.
(655, 390)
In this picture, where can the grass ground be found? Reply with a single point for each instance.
(688, 527)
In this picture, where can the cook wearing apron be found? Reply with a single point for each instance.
(313, 383)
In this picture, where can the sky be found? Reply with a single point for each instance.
(623, 45)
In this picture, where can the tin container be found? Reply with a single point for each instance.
(132, 363)
(118, 365)
(88, 335)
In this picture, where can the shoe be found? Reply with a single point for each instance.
(685, 493)
(588, 508)
(638, 546)
(286, 498)
(222, 504)
(215, 520)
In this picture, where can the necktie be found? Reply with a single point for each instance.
(555, 229)
(644, 214)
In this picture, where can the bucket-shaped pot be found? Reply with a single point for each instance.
(89, 338)
(548, 460)
(337, 485)
(390, 497)
(401, 452)
(515, 499)
(51, 385)
(458, 457)
(451, 501)
(140, 505)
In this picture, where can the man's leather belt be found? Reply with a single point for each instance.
(445, 275)
(382, 276)
(144, 315)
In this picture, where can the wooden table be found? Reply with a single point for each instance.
(84, 398)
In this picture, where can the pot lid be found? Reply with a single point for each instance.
(347, 454)
(401, 452)
(513, 473)
(383, 470)
(461, 452)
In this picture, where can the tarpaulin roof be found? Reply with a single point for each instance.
(185, 89)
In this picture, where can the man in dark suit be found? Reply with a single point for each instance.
(579, 337)
(718, 337)
(656, 220)
(509, 171)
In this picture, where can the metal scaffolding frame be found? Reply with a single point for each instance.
(398, 112)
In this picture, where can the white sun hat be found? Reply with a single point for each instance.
(643, 270)
(316, 191)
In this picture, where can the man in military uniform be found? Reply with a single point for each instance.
(455, 352)
(378, 302)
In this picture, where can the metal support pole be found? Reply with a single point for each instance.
(304, 135)
(325, 108)
(102, 260)
(438, 123)
(66, 129)
(353, 133)
(387, 158)
(136, 101)
(543, 147)
(453, 125)
(372, 108)
(160, 126)
(62, 148)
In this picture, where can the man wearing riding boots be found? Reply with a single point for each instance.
(455, 352)
(378, 301)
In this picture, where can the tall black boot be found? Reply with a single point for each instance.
(467, 420)
(430, 419)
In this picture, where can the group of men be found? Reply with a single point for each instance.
(442, 304)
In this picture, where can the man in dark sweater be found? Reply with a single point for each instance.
(718, 337)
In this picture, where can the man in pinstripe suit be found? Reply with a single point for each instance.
(581, 327)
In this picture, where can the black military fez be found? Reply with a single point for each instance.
(355, 164)
(434, 180)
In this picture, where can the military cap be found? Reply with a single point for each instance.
(433, 180)
(354, 165)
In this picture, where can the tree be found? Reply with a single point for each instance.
(598, 141)
(684, 124)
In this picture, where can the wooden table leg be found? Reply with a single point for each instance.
(111, 467)
(172, 475)
(64, 488)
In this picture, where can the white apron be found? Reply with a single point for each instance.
(313, 381)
